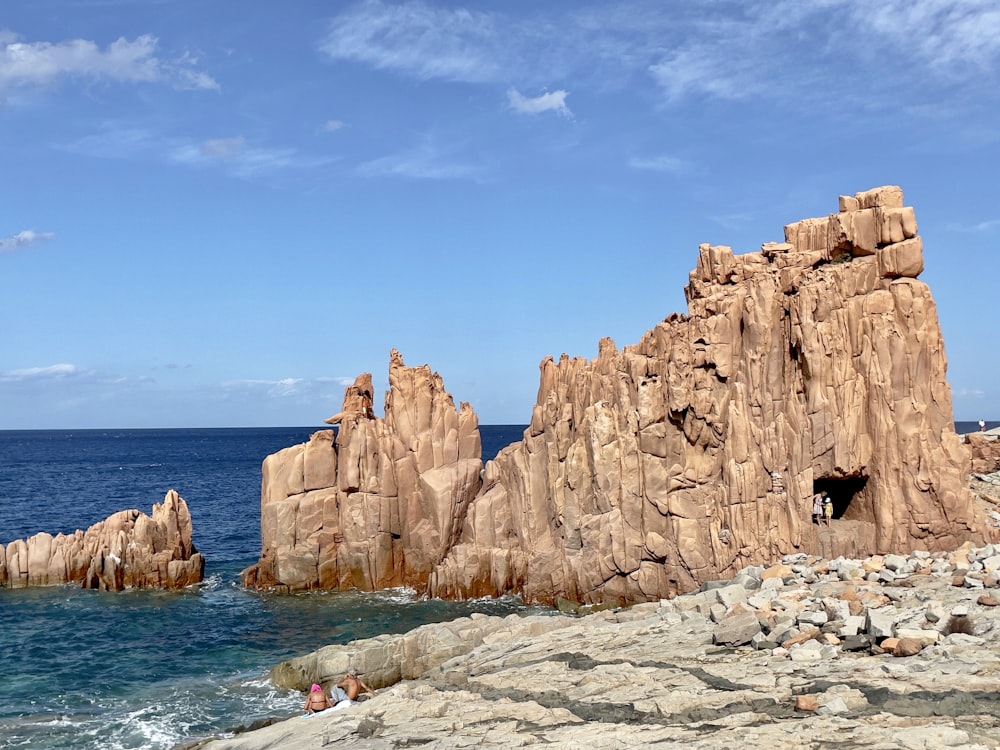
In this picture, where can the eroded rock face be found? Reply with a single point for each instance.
(815, 364)
(378, 503)
(127, 550)
(985, 450)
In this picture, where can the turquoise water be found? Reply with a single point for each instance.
(150, 669)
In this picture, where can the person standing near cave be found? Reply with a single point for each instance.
(827, 508)
(818, 508)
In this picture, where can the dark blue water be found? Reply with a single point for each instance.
(147, 669)
(963, 428)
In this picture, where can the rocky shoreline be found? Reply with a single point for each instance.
(886, 652)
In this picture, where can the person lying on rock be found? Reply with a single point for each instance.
(317, 700)
(350, 688)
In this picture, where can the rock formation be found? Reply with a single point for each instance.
(378, 503)
(127, 550)
(985, 451)
(814, 365)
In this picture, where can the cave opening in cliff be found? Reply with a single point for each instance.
(842, 490)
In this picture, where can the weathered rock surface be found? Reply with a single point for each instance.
(815, 364)
(127, 550)
(650, 676)
(985, 450)
(378, 503)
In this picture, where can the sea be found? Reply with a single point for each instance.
(155, 669)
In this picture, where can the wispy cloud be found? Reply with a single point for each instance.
(983, 226)
(786, 51)
(332, 126)
(24, 64)
(734, 220)
(972, 393)
(423, 163)
(23, 239)
(286, 387)
(35, 374)
(235, 154)
(661, 163)
(243, 160)
(552, 101)
(417, 39)
(825, 46)
(224, 149)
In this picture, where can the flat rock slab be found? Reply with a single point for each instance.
(650, 676)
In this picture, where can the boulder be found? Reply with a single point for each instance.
(127, 550)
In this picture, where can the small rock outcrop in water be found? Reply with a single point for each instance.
(127, 550)
(814, 365)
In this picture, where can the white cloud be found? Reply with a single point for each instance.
(117, 142)
(23, 239)
(224, 148)
(971, 393)
(297, 388)
(243, 160)
(417, 39)
(235, 154)
(982, 226)
(332, 126)
(552, 101)
(663, 163)
(423, 163)
(52, 372)
(786, 51)
(124, 61)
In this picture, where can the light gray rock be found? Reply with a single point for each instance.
(853, 625)
(895, 563)
(816, 618)
(736, 629)
(880, 624)
(650, 676)
(730, 595)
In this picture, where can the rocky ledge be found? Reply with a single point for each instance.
(890, 651)
(126, 550)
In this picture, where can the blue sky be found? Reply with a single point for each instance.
(218, 213)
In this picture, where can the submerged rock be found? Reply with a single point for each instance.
(127, 550)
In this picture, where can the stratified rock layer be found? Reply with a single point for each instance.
(127, 550)
(815, 364)
(379, 503)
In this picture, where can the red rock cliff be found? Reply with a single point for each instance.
(815, 364)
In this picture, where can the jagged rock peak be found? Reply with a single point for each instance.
(127, 550)
(378, 503)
